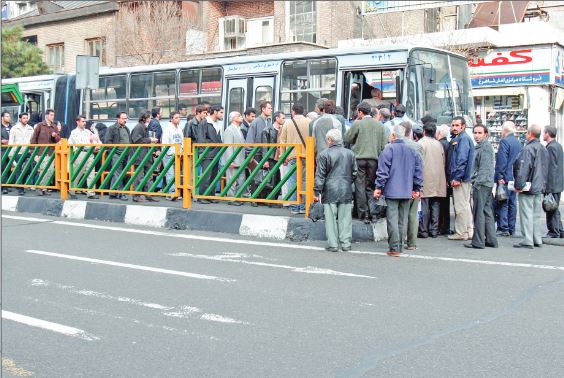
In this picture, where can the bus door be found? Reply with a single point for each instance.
(248, 92)
(380, 87)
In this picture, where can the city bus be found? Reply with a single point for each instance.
(426, 80)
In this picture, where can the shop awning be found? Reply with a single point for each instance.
(11, 95)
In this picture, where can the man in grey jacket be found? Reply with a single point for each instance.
(234, 135)
(482, 183)
(335, 173)
(529, 171)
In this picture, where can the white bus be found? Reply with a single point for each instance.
(423, 79)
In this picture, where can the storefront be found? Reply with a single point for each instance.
(520, 84)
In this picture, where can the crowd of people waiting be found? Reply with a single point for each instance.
(416, 167)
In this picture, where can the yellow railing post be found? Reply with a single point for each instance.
(187, 170)
(310, 172)
(62, 167)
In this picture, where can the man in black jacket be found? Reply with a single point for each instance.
(210, 132)
(140, 135)
(529, 171)
(335, 173)
(118, 133)
(554, 181)
(191, 128)
(444, 213)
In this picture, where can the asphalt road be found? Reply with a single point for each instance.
(96, 299)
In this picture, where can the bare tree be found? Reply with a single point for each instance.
(151, 32)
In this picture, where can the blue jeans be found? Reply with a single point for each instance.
(507, 213)
(170, 173)
(292, 181)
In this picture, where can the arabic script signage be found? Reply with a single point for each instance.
(518, 66)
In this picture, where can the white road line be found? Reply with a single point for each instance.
(185, 312)
(30, 219)
(55, 327)
(471, 261)
(283, 245)
(131, 266)
(307, 269)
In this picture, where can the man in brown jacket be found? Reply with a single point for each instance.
(45, 133)
(295, 133)
(435, 182)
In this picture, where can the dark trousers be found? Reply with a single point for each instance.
(506, 213)
(144, 172)
(364, 185)
(207, 179)
(553, 221)
(484, 224)
(118, 172)
(430, 212)
(396, 222)
(444, 215)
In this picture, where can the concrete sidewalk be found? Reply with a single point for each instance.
(260, 222)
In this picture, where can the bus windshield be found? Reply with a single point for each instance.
(437, 84)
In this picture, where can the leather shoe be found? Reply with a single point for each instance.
(519, 245)
(151, 199)
(538, 245)
(138, 199)
(346, 249)
(332, 249)
(470, 245)
(93, 196)
(491, 245)
(204, 201)
(458, 237)
(503, 233)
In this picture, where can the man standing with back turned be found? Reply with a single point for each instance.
(509, 148)
(400, 179)
(529, 171)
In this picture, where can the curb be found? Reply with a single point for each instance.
(258, 226)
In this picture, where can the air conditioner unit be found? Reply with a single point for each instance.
(234, 26)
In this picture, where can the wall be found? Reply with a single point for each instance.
(73, 34)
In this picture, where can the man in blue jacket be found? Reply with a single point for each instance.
(460, 173)
(400, 179)
(509, 148)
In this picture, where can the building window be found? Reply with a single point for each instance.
(302, 21)
(97, 47)
(56, 56)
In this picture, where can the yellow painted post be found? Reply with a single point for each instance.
(62, 165)
(300, 161)
(310, 172)
(187, 168)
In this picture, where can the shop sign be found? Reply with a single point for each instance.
(516, 66)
